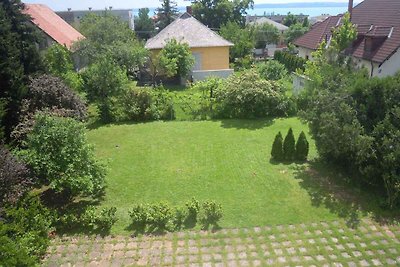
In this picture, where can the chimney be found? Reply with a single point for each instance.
(189, 10)
(350, 8)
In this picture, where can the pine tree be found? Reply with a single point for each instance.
(302, 147)
(289, 146)
(166, 13)
(277, 147)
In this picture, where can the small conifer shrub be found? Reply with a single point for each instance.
(302, 147)
(289, 146)
(277, 148)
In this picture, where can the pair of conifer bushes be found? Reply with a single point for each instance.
(288, 149)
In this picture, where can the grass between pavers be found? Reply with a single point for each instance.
(227, 161)
(319, 243)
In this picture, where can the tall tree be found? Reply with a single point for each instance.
(19, 57)
(215, 13)
(243, 38)
(144, 25)
(290, 20)
(266, 34)
(166, 13)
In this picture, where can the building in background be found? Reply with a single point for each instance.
(211, 51)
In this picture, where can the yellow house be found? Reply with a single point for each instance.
(211, 51)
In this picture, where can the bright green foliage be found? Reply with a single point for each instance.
(144, 25)
(272, 70)
(166, 13)
(289, 146)
(295, 31)
(265, 34)
(212, 213)
(344, 35)
(105, 81)
(243, 38)
(147, 104)
(215, 13)
(108, 35)
(290, 19)
(161, 216)
(58, 62)
(277, 148)
(302, 147)
(176, 58)
(290, 61)
(139, 216)
(247, 95)
(181, 214)
(193, 207)
(60, 156)
(24, 229)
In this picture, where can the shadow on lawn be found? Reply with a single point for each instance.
(330, 188)
(246, 124)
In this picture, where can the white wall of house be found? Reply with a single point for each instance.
(389, 67)
(200, 75)
(305, 52)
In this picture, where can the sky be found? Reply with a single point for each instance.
(60, 5)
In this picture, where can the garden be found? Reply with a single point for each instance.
(93, 155)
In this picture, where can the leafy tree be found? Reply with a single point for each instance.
(306, 23)
(58, 62)
(272, 70)
(15, 177)
(290, 19)
(277, 147)
(291, 62)
(177, 58)
(60, 156)
(19, 57)
(243, 38)
(108, 35)
(295, 31)
(302, 147)
(105, 81)
(144, 25)
(166, 13)
(344, 35)
(266, 34)
(289, 146)
(215, 13)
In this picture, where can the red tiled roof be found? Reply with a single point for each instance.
(319, 32)
(377, 19)
(54, 26)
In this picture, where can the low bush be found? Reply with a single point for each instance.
(181, 214)
(277, 148)
(193, 207)
(247, 95)
(272, 70)
(147, 104)
(24, 232)
(139, 216)
(290, 61)
(212, 213)
(161, 216)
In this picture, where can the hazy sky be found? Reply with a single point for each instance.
(101, 4)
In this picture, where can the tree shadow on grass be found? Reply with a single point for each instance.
(246, 123)
(329, 187)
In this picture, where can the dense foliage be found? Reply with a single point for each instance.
(109, 36)
(291, 62)
(272, 70)
(24, 230)
(144, 25)
(215, 13)
(17, 61)
(277, 148)
(105, 81)
(302, 147)
(15, 178)
(147, 104)
(60, 156)
(265, 34)
(247, 95)
(58, 62)
(166, 13)
(294, 32)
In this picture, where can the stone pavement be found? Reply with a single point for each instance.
(313, 244)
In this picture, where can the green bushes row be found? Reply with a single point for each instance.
(291, 62)
(289, 149)
(162, 217)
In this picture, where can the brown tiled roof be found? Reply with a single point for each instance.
(189, 30)
(319, 32)
(54, 26)
(376, 19)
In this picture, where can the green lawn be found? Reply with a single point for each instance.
(227, 161)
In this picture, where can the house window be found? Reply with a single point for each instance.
(307, 57)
